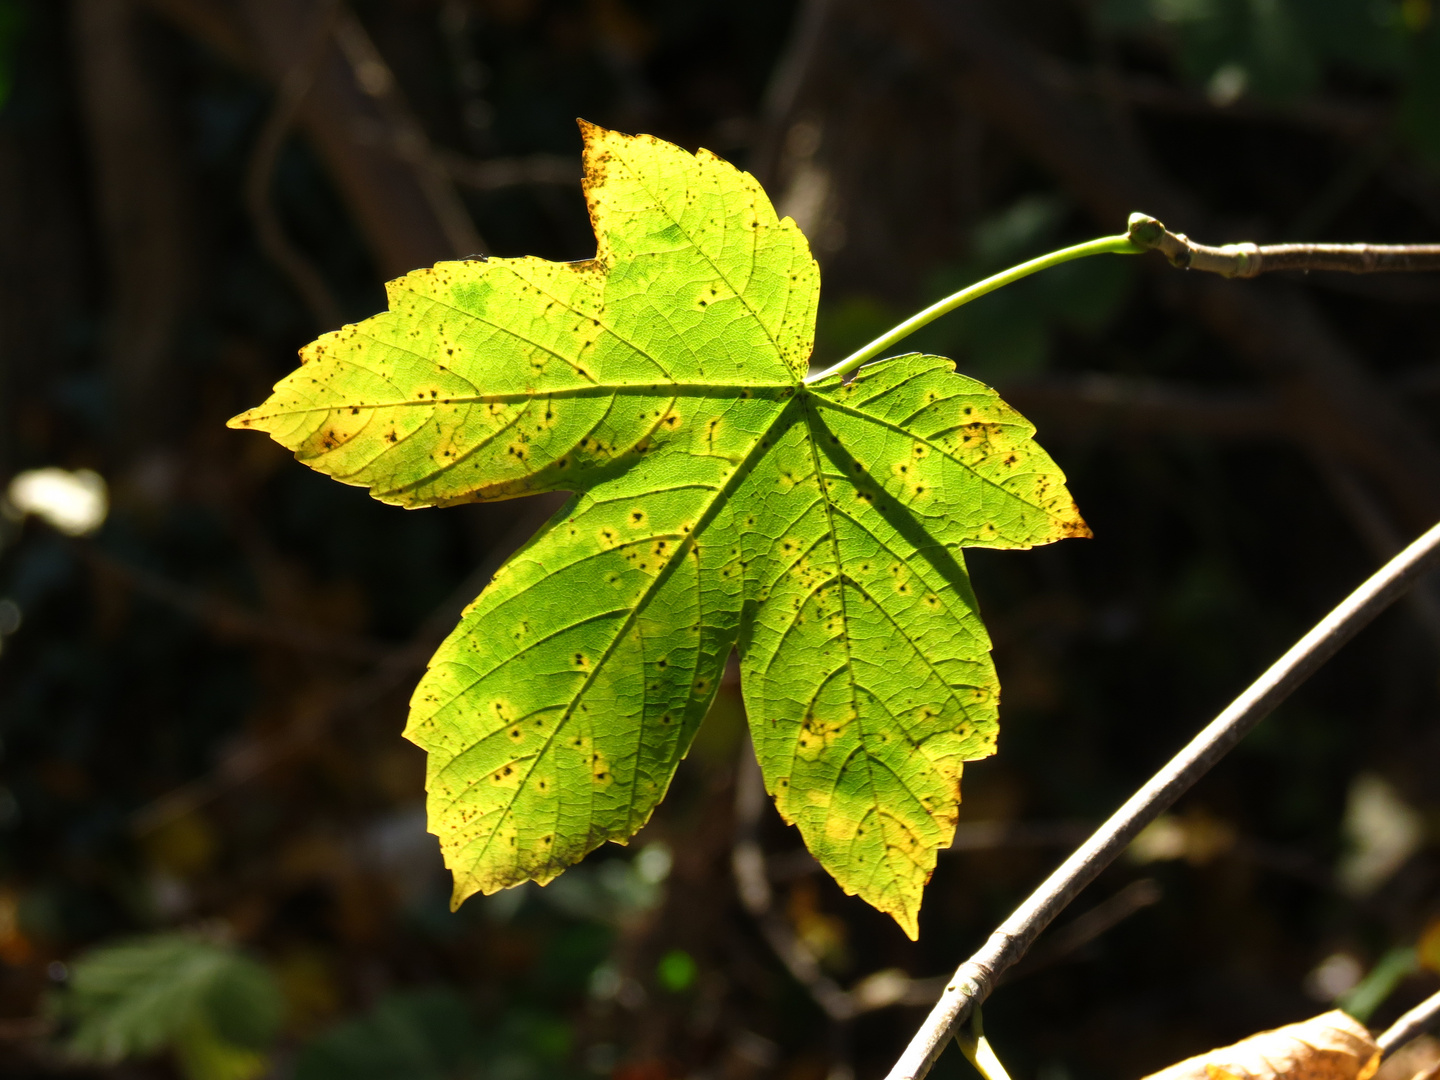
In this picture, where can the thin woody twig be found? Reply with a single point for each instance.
(293, 91)
(752, 882)
(230, 620)
(788, 81)
(1280, 332)
(1379, 533)
(406, 137)
(976, 977)
(496, 173)
(1251, 260)
(1099, 920)
(253, 759)
(1417, 1021)
(878, 990)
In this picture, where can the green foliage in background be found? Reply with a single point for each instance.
(1279, 50)
(724, 503)
(433, 1035)
(217, 1010)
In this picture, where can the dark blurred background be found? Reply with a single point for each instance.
(201, 698)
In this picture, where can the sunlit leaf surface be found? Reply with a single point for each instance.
(721, 503)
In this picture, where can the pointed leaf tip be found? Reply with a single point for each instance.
(721, 504)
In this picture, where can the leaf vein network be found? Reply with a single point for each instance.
(640, 181)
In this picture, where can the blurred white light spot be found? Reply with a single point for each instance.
(881, 989)
(605, 982)
(10, 617)
(1227, 85)
(1163, 839)
(1334, 977)
(171, 897)
(1381, 832)
(653, 863)
(73, 502)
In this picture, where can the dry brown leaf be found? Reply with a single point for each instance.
(1419, 1059)
(1333, 1046)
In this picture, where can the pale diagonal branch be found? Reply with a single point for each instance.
(976, 977)
(1251, 260)
(1417, 1021)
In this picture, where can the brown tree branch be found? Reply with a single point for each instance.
(752, 882)
(976, 977)
(1333, 116)
(212, 22)
(294, 88)
(376, 153)
(787, 84)
(1424, 1017)
(1089, 926)
(229, 620)
(496, 173)
(1373, 525)
(393, 199)
(1332, 400)
(1251, 260)
(879, 990)
(143, 208)
(1088, 402)
(252, 759)
(407, 137)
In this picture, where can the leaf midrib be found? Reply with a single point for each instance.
(763, 444)
(662, 389)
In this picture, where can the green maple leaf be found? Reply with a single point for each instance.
(722, 503)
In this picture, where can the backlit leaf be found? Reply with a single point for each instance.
(721, 503)
(1332, 1046)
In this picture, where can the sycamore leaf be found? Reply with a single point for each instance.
(722, 503)
(215, 1008)
(1332, 1046)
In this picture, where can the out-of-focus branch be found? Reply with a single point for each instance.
(1373, 524)
(976, 978)
(752, 881)
(787, 84)
(891, 986)
(406, 137)
(376, 153)
(251, 760)
(230, 620)
(1088, 402)
(496, 173)
(1333, 401)
(142, 205)
(1342, 118)
(354, 116)
(969, 836)
(1085, 403)
(1085, 928)
(1251, 260)
(212, 22)
(294, 88)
